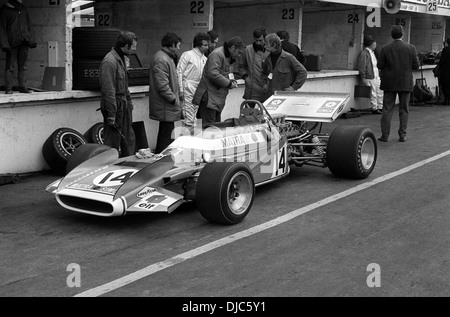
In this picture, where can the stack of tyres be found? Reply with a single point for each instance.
(90, 45)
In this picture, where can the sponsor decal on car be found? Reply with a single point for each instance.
(275, 104)
(329, 106)
(155, 201)
(93, 188)
(145, 192)
(114, 178)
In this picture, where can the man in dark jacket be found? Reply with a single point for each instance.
(165, 97)
(217, 80)
(291, 47)
(15, 40)
(397, 61)
(116, 105)
(252, 62)
(281, 70)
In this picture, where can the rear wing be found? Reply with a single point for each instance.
(306, 106)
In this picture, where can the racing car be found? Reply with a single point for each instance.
(219, 166)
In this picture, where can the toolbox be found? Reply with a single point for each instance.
(313, 63)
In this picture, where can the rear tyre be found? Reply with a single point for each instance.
(352, 152)
(59, 146)
(225, 192)
(84, 153)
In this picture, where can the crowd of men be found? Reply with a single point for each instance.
(195, 85)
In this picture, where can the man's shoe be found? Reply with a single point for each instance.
(377, 111)
(24, 90)
(402, 139)
(8, 91)
(382, 139)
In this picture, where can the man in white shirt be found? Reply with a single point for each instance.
(190, 69)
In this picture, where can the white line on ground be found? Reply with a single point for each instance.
(154, 268)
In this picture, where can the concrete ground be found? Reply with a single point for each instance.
(310, 234)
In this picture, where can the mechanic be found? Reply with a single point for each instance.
(251, 67)
(116, 105)
(281, 70)
(165, 98)
(15, 40)
(190, 69)
(217, 80)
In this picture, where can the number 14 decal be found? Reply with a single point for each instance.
(280, 162)
(114, 178)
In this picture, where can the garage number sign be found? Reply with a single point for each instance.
(432, 6)
(103, 17)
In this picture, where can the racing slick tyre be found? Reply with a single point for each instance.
(59, 147)
(225, 192)
(84, 153)
(352, 152)
(95, 134)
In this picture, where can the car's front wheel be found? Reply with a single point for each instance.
(352, 152)
(225, 192)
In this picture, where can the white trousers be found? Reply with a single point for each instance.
(376, 98)
(188, 108)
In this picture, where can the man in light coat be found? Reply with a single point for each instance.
(252, 62)
(115, 104)
(190, 70)
(397, 61)
(165, 98)
(217, 80)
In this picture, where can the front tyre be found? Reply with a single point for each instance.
(225, 192)
(352, 152)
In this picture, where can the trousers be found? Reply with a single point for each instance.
(17, 55)
(376, 97)
(388, 112)
(122, 137)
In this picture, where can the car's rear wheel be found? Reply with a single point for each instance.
(225, 192)
(84, 153)
(352, 152)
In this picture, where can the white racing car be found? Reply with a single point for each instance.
(219, 166)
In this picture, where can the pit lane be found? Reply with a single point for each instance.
(398, 223)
